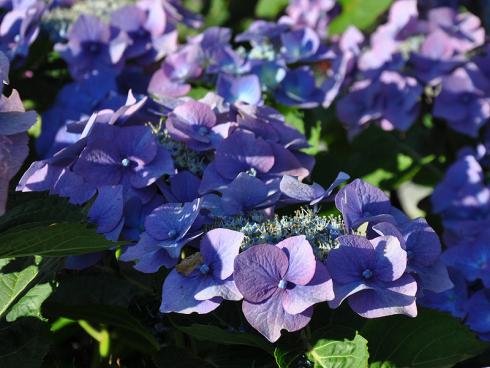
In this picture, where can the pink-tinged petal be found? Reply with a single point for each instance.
(219, 247)
(398, 297)
(301, 259)
(178, 295)
(269, 317)
(258, 271)
(391, 258)
(214, 288)
(347, 262)
(318, 290)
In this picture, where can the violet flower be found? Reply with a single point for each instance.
(167, 229)
(201, 281)
(194, 123)
(370, 274)
(93, 47)
(127, 155)
(280, 284)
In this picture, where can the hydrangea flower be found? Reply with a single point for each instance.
(201, 281)
(370, 274)
(477, 319)
(464, 105)
(280, 284)
(150, 39)
(392, 101)
(167, 229)
(128, 155)
(14, 122)
(93, 47)
(244, 89)
(195, 124)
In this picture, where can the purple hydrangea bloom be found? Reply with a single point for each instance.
(55, 174)
(195, 124)
(315, 14)
(462, 194)
(300, 45)
(370, 274)
(167, 229)
(298, 88)
(298, 192)
(201, 281)
(392, 101)
(244, 88)
(14, 122)
(19, 27)
(423, 253)
(180, 67)
(246, 193)
(280, 284)
(149, 40)
(122, 155)
(93, 47)
(478, 317)
(464, 29)
(472, 261)
(452, 300)
(360, 202)
(461, 103)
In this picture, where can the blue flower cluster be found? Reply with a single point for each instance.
(191, 184)
(462, 199)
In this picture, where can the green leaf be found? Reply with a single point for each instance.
(382, 365)
(220, 336)
(359, 13)
(31, 207)
(53, 240)
(30, 304)
(432, 340)
(17, 281)
(13, 284)
(124, 324)
(285, 358)
(24, 343)
(270, 8)
(340, 354)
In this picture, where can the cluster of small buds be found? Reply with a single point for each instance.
(320, 231)
(57, 21)
(184, 158)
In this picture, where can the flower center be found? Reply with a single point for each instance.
(252, 172)
(204, 269)
(125, 162)
(202, 131)
(282, 284)
(367, 274)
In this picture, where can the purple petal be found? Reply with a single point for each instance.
(398, 297)
(391, 258)
(178, 295)
(347, 262)
(258, 271)
(223, 289)
(269, 317)
(219, 247)
(107, 209)
(301, 259)
(301, 297)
